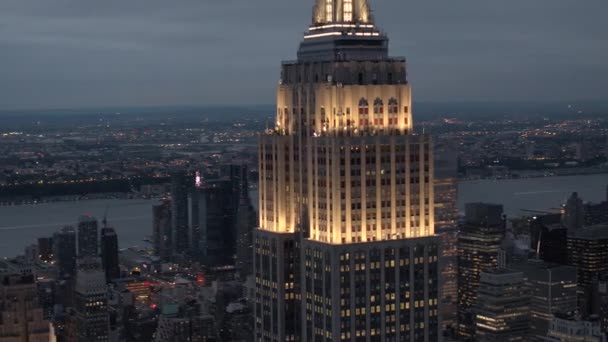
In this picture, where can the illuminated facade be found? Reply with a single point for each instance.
(588, 252)
(346, 248)
(478, 246)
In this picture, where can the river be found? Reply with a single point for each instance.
(132, 219)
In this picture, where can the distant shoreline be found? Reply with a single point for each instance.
(136, 196)
(540, 174)
(72, 198)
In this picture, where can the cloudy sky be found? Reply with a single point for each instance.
(87, 53)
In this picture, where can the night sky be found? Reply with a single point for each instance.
(87, 53)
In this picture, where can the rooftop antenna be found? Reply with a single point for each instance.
(104, 221)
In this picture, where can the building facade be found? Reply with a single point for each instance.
(109, 253)
(588, 252)
(162, 231)
(502, 311)
(479, 242)
(88, 236)
(214, 217)
(552, 289)
(180, 189)
(21, 316)
(446, 226)
(91, 316)
(346, 248)
(64, 252)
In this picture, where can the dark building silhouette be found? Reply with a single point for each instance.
(162, 235)
(109, 253)
(64, 250)
(549, 238)
(479, 243)
(246, 221)
(87, 236)
(215, 218)
(573, 216)
(45, 249)
(180, 188)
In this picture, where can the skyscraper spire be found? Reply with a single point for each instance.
(341, 12)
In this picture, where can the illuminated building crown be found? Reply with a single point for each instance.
(340, 30)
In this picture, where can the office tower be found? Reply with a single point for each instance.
(446, 226)
(588, 252)
(90, 302)
(479, 242)
(502, 307)
(212, 205)
(162, 230)
(573, 214)
(570, 328)
(346, 247)
(180, 188)
(246, 221)
(22, 318)
(64, 250)
(109, 253)
(45, 249)
(549, 238)
(552, 289)
(87, 236)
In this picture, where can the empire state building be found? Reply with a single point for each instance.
(346, 248)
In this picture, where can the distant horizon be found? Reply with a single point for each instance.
(152, 52)
(574, 102)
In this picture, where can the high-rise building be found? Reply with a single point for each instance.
(502, 307)
(109, 253)
(246, 221)
(446, 226)
(479, 242)
(21, 316)
(588, 252)
(87, 236)
(64, 251)
(573, 216)
(45, 249)
(180, 188)
(552, 289)
(162, 230)
(212, 206)
(346, 248)
(91, 302)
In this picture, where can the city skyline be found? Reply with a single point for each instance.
(153, 53)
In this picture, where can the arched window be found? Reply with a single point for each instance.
(363, 107)
(378, 106)
(393, 106)
(363, 112)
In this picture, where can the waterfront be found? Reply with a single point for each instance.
(132, 219)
